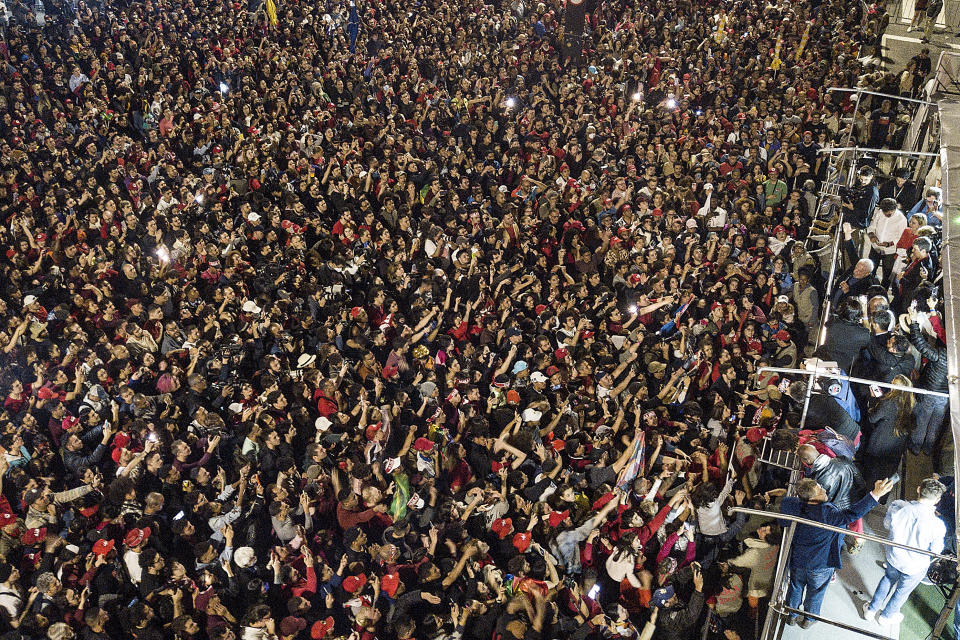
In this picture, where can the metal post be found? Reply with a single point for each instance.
(945, 613)
(839, 376)
(841, 530)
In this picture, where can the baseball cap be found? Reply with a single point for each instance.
(423, 444)
(7, 518)
(522, 541)
(661, 596)
(538, 376)
(353, 584)
(783, 334)
(34, 536)
(244, 557)
(29, 300)
(103, 546)
(783, 298)
(135, 537)
(321, 628)
(251, 307)
(502, 527)
(291, 625)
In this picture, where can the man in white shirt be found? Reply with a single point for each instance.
(884, 231)
(916, 524)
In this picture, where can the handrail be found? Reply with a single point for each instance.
(827, 373)
(847, 532)
(783, 609)
(888, 152)
(882, 95)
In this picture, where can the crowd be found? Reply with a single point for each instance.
(387, 321)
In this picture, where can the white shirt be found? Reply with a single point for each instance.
(887, 229)
(132, 560)
(710, 517)
(916, 524)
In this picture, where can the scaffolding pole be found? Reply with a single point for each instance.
(836, 375)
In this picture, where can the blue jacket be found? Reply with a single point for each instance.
(815, 548)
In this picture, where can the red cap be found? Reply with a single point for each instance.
(755, 434)
(7, 518)
(373, 430)
(777, 229)
(321, 628)
(355, 312)
(390, 583)
(423, 444)
(522, 541)
(513, 396)
(353, 584)
(556, 517)
(552, 371)
(135, 537)
(783, 334)
(103, 546)
(69, 422)
(560, 354)
(116, 453)
(34, 536)
(502, 527)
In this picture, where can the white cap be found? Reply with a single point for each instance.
(244, 557)
(253, 217)
(29, 300)
(531, 415)
(235, 407)
(538, 376)
(251, 307)
(322, 424)
(783, 298)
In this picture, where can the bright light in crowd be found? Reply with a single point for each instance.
(671, 103)
(224, 88)
(511, 103)
(199, 198)
(637, 96)
(163, 255)
(633, 308)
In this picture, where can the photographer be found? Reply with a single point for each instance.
(859, 203)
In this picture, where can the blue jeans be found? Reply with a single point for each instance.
(814, 581)
(898, 586)
(929, 412)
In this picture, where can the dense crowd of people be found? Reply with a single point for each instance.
(388, 321)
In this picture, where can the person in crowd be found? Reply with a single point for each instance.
(378, 322)
(914, 523)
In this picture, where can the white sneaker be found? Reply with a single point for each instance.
(867, 613)
(892, 621)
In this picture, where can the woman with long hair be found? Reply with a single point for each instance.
(890, 423)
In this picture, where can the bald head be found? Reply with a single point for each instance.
(808, 453)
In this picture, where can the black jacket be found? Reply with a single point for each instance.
(824, 412)
(842, 481)
(844, 342)
(933, 376)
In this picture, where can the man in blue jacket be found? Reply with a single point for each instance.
(815, 554)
